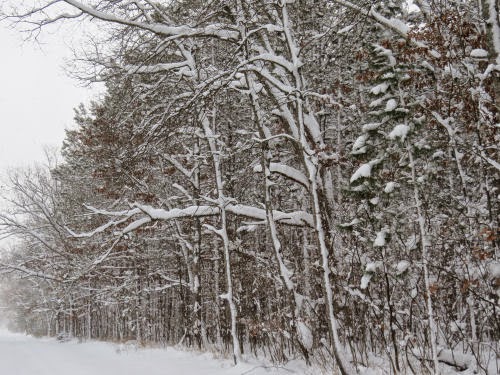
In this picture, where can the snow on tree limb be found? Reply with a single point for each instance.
(287, 171)
(27, 272)
(295, 218)
(220, 31)
(156, 68)
(394, 25)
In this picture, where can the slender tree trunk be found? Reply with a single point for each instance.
(223, 232)
(425, 260)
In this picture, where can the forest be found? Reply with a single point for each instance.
(288, 179)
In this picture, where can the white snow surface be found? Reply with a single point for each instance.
(402, 266)
(359, 144)
(365, 280)
(380, 239)
(391, 105)
(380, 88)
(25, 355)
(353, 222)
(389, 187)
(313, 126)
(494, 270)
(386, 52)
(399, 131)
(370, 269)
(365, 170)
(371, 126)
(479, 53)
(305, 335)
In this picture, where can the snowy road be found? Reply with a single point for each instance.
(23, 355)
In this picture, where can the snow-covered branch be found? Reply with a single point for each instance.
(287, 171)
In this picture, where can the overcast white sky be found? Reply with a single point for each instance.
(36, 97)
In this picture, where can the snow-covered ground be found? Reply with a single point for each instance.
(24, 355)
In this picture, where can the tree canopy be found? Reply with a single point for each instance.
(309, 178)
